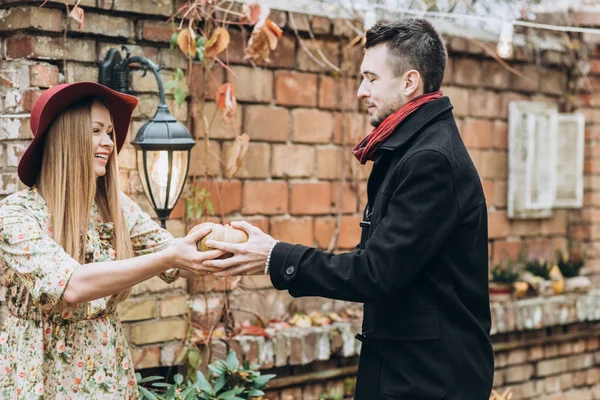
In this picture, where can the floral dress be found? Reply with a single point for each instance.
(50, 349)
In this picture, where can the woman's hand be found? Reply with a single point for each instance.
(249, 258)
(185, 255)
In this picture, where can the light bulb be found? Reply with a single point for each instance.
(160, 175)
(505, 42)
(504, 49)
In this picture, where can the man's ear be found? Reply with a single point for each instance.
(412, 83)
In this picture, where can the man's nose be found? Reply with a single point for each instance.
(362, 93)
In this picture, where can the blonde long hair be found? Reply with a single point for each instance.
(68, 183)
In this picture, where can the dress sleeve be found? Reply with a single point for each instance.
(146, 235)
(32, 256)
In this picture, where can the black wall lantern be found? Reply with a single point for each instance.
(163, 144)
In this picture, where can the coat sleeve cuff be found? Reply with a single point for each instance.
(285, 264)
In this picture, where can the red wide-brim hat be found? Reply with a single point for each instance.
(55, 100)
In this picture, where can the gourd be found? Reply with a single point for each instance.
(223, 233)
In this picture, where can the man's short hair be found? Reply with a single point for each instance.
(414, 44)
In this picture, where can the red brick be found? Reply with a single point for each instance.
(337, 93)
(467, 72)
(449, 72)
(237, 44)
(224, 196)
(256, 161)
(330, 50)
(494, 164)
(268, 198)
(498, 225)
(198, 85)
(104, 24)
(525, 227)
(295, 88)
(293, 230)
(459, 97)
(29, 98)
(539, 248)
(500, 135)
(251, 84)
(284, 56)
(311, 126)
(557, 224)
(310, 198)
(502, 250)
(350, 231)
(486, 104)
(320, 25)
(529, 79)
(49, 47)
(255, 123)
(330, 162)
(352, 125)
(324, 229)
(488, 191)
(145, 357)
(296, 161)
(218, 128)
(494, 75)
(260, 222)
(477, 133)
(205, 161)
(43, 75)
(594, 67)
(349, 198)
(155, 31)
(37, 18)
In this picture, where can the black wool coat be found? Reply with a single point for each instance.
(421, 268)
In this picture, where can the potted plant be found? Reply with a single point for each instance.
(502, 278)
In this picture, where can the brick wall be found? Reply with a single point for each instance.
(299, 116)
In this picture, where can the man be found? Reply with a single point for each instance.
(421, 268)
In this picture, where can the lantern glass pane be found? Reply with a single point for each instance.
(158, 174)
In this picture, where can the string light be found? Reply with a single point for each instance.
(505, 43)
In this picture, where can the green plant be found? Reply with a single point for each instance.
(570, 263)
(539, 268)
(505, 273)
(198, 204)
(227, 380)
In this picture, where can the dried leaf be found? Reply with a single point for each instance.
(77, 14)
(253, 330)
(264, 38)
(186, 40)
(225, 97)
(236, 154)
(254, 12)
(217, 43)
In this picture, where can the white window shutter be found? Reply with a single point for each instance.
(531, 159)
(570, 141)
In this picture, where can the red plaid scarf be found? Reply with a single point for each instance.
(366, 149)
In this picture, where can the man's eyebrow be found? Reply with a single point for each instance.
(367, 72)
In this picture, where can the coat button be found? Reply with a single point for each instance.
(290, 270)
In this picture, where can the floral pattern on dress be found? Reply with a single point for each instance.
(50, 349)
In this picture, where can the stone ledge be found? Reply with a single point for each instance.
(542, 312)
(294, 346)
(302, 346)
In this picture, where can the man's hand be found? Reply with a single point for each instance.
(249, 258)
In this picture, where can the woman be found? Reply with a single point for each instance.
(66, 248)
